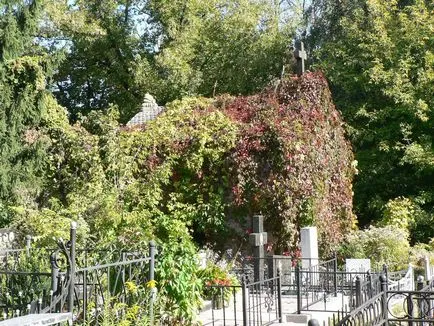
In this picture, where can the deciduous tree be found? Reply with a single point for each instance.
(380, 66)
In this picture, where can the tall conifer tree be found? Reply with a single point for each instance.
(23, 70)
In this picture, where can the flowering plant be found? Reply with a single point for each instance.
(219, 283)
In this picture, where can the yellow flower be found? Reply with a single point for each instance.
(151, 284)
(131, 287)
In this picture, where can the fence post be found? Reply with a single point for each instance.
(245, 297)
(270, 266)
(370, 286)
(383, 280)
(420, 302)
(427, 269)
(410, 308)
(279, 296)
(358, 291)
(28, 244)
(73, 239)
(298, 284)
(54, 273)
(386, 271)
(152, 281)
(335, 274)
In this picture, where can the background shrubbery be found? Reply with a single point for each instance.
(382, 245)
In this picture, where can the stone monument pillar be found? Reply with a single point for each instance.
(427, 269)
(309, 246)
(258, 239)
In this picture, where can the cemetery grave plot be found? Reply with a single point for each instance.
(355, 290)
(305, 284)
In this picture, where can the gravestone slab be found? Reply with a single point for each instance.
(301, 319)
(202, 259)
(7, 239)
(284, 265)
(309, 246)
(357, 265)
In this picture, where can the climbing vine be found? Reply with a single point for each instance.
(292, 162)
(282, 153)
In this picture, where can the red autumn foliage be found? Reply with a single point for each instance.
(292, 161)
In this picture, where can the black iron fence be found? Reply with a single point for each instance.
(93, 285)
(388, 307)
(262, 302)
(412, 307)
(112, 288)
(23, 293)
(24, 282)
(315, 283)
(371, 303)
(250, 304)
(312, 280)
(362, 294)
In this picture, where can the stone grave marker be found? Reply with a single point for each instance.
(258, 238)
(300, 56)
(309, 246)
(427, 267)
(357, 266)
(202, 259)
(7, 238)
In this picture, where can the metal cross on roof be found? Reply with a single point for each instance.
(300, 56)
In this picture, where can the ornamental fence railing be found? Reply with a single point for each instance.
(391, 305)
(92, 285)
(312, 281)
(249, 304)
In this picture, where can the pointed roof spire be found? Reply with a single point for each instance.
(149, 111)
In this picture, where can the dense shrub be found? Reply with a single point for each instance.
(400, 213)
(383, 245)
(409, 214)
